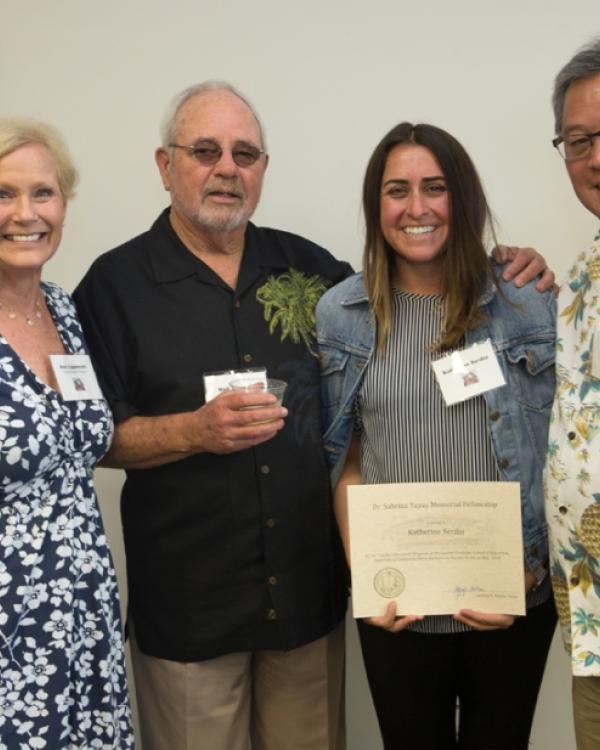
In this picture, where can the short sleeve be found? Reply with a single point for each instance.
(109, 339)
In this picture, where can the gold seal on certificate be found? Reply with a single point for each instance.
(389, 582)
(436, 548)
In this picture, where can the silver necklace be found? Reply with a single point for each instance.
(31, 320)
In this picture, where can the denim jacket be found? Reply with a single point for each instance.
(523, 337)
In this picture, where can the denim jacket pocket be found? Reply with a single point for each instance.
(530, 368)
(333, 359)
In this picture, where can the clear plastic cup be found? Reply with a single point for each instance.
(272, 385)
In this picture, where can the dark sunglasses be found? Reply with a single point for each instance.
(209, 152)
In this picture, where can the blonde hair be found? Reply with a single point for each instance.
(20, 131)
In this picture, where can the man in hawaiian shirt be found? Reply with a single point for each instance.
(573, 465)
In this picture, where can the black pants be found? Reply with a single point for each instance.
(416, 678)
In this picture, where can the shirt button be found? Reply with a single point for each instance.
(272, 580)
(571, 435)
(574, 580)
(503, 463)
(271, 614)
(264, 469)
(237, 303)
(495, 416)
(247, 358)
(270, 523)
(562, 510)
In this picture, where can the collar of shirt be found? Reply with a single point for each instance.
(172, 261)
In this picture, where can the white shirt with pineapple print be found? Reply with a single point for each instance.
(572, 478)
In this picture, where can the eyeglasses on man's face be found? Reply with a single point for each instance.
(209, 152)
(575, 145)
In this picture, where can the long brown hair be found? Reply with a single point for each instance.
(465, 267)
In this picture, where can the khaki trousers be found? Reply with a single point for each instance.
(586, 712)
(277, 700)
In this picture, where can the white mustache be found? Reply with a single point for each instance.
(235, 190)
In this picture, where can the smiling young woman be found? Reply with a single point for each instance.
(428, 288)
(414, 217)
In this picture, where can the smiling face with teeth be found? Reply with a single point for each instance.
(415, 216)
(220, 197)
(32, 210)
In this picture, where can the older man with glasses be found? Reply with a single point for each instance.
(237, 588)
(573, 465)
(236, 583)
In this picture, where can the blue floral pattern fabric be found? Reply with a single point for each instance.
(62, 672)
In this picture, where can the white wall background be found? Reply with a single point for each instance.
(329, 78)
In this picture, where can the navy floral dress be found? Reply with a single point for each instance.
(62, 673)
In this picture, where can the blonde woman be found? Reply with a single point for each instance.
(62, 676)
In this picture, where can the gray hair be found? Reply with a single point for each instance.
(168, 128)
(21, 131)
(586, 62)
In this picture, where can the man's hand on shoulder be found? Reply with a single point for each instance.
(524, 264)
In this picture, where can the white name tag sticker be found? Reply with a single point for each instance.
(76, 377)
(217, 382)
(467, 373)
